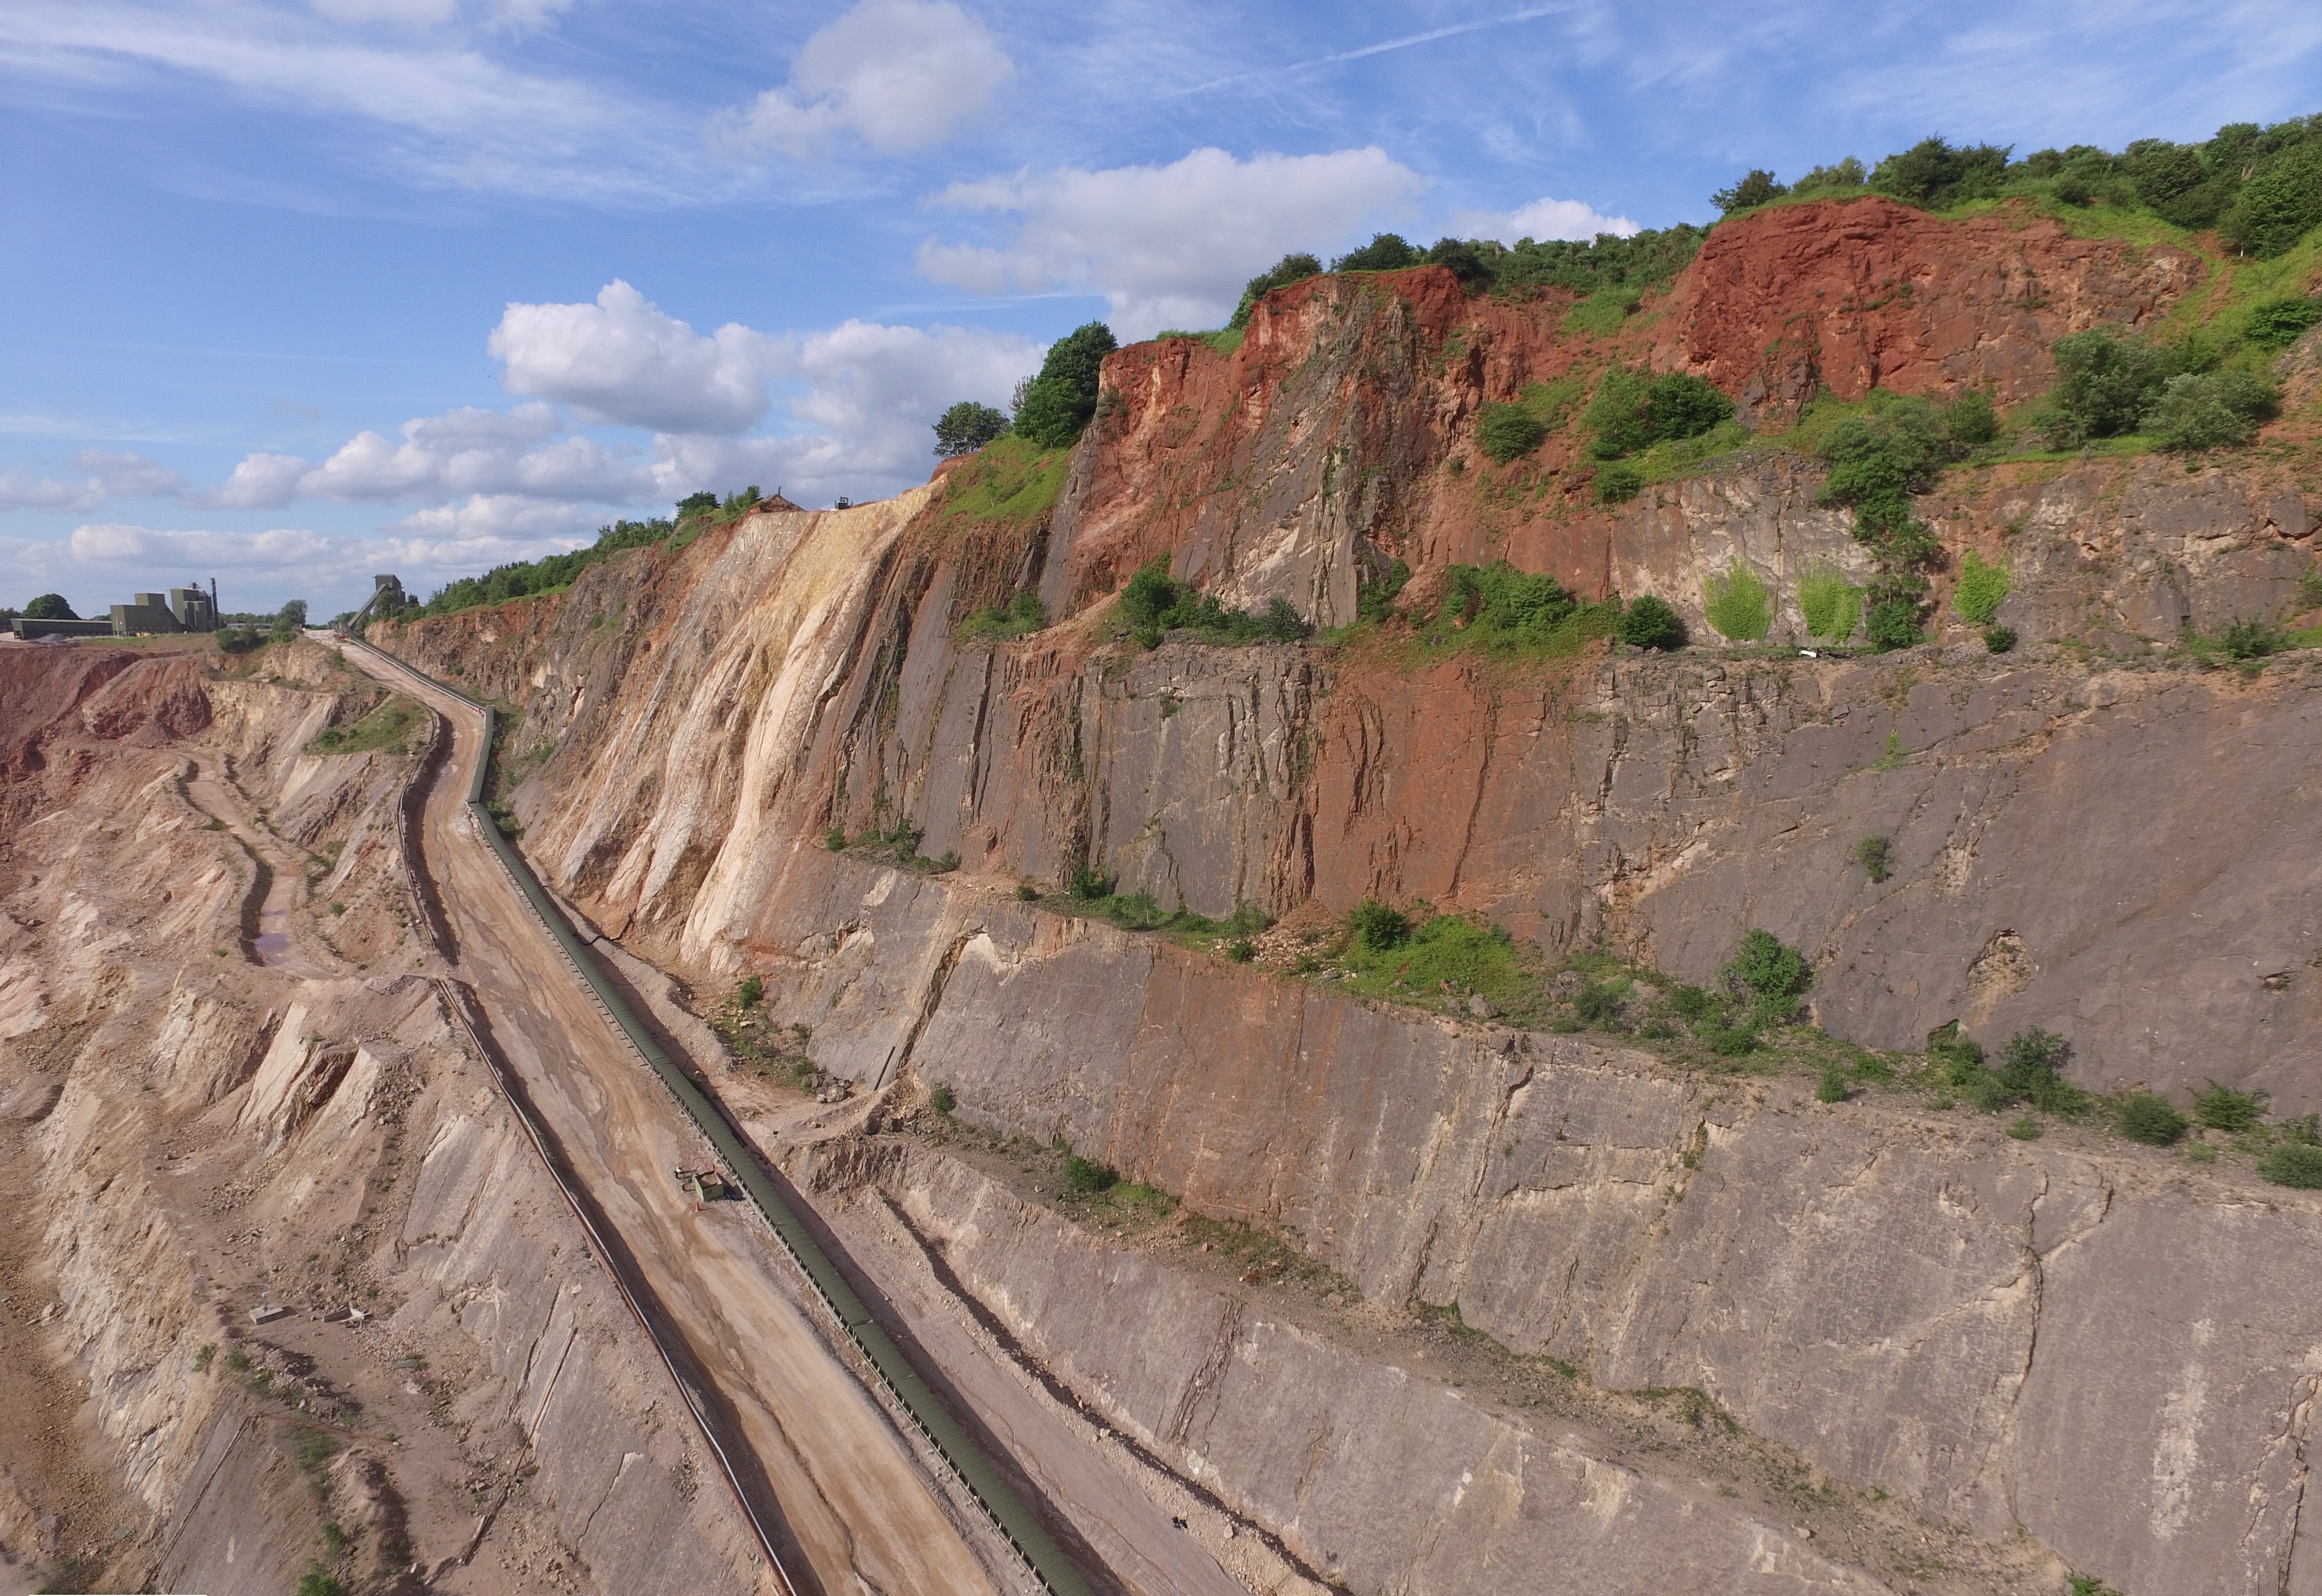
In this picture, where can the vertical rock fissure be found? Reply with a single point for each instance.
(929, 1002)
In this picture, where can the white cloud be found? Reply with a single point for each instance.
(417, 14)
(1167, 245)
(104, 477)
(623, 360)
(522, 450)
(20, 490)
(499, 516)
(262, 481)
(1542, 219)
(453, 112)
(862, 396)
(898, 75)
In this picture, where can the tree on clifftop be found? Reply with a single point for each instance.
(1058, 402)
(1291, 269)
(1387, 252)
(50, 606)
(1756, 189)
(966, 427)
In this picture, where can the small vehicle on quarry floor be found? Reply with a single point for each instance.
(708, 1185)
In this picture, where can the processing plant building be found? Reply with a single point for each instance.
(182, 609)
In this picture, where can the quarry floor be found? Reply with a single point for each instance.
(853, 1501)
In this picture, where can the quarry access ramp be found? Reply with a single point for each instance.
(826, 1480)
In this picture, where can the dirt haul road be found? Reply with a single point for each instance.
(854, 1505)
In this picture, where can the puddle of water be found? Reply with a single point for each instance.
(273, 947)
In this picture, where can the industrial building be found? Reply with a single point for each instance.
(182, 609)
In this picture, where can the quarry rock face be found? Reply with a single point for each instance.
(1869, 293)
(211, 1161)
(775, 749)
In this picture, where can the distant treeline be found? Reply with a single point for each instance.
(553, 572)
(1482, 264)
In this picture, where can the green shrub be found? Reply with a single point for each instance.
(1875, 855)
(1620, 415)
(2250, 639)
(1618, 482)
(1291, 269)
(1019, 617)
(1595, 1004)
(1241, 950)
(1998, 640)
(2026, 1129)
(942, 1099)
(1774, 975)
(1693, 1004)
(1632, 411)
(1892, 623)
(289, 622)
(1474, 263)
(1832, 1087)
(1084, 1177)
(1387, 252)
(1879, 457)
(1498, 597)
(2032, 1067)
(1498, 607)
(1837, 178)
(318, 1580)
(1686, 406)
(1058, 402)
(2210, 410)
(1972, 422)
(2297, 1165)
(1756, 189)
(1440, 960)
(2277, 324)
(1982, 588)
(2278, 203)
(966, 427)
(834, 839)
(1651, 623)
(1027, 893)
(1830, 604)
(1932, 173)
(1090, 884)
(239, 639)
(1377, 928)
(1379, 590)
(2104, 386)
(1737, 603)
(1505, 431)
(752, 989)
(2144, 1118)
(2221, 1107)
(1153, 604)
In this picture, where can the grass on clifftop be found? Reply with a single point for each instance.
(1011, 481)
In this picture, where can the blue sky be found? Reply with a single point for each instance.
(302, 289)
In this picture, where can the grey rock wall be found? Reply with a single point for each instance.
(2088, 1343)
